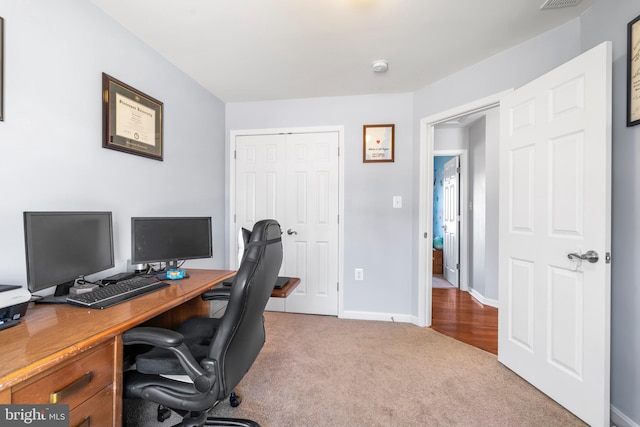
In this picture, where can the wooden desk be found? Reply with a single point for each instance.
(287, 289)
(54, 348)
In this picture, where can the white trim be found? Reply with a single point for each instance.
(425, 212)
(482, 300)
(383, 317)
(618, 419)
(232, 236)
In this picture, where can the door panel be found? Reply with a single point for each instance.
(451, 215)
(293, 178)
(312, 212)
(555, 200)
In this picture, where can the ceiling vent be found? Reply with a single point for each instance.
(555, 4)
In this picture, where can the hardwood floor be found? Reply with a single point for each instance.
(458, 315)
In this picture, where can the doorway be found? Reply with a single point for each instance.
(431, 128)
(446, 203)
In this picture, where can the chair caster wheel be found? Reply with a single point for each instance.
(234, 399)
(164, 413)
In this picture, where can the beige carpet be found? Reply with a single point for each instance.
(323, 371)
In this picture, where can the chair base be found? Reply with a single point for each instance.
(230, 422)
(201, 419)
(217, 421)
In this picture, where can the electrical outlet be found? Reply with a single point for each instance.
(359, 274)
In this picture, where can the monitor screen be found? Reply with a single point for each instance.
(63, 246)
(170, 239)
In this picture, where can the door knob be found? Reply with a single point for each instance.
(290, 232)
(591, 256)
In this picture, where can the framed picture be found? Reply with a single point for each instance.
(1, 69)
(377, 143)
(633, 72)
(131, 120)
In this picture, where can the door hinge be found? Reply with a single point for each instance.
(607, 258)
(457, 266)
(458, 169)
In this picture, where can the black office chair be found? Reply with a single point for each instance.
(215, 353)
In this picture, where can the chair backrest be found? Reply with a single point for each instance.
(240, 335)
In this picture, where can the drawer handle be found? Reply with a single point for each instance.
(85, 423)
(60, 395)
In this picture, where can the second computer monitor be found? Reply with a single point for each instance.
(170, 239)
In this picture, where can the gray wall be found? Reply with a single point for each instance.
(478, 208)
(52, 156)
(608, 20)
(377, 238)
(492, 169)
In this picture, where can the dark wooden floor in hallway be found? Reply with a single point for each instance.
(458, 315)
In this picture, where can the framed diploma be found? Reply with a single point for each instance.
(1, 69)
(633, 72)
(131, 120)
(377, 143)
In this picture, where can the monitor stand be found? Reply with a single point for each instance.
(59, 296)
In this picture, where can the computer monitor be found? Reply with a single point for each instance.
(64, 246)
(170, 239)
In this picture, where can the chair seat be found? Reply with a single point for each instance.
(197, 333)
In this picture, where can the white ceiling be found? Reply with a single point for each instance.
(253, 50)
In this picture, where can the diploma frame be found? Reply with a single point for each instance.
(378, 143)
(131, 120)
(633, 72)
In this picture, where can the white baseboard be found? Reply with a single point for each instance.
(384, 317)
(619, 419)
(484, 301)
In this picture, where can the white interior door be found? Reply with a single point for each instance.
(312, 222)
(451, 216)
(293, 178)
(555, 200)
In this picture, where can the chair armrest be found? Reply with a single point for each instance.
(217, 294)
(173, 341)
(158, 337)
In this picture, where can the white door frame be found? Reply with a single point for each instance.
(425, 204)
(232, 235)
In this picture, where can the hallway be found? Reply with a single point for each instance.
(458, 315)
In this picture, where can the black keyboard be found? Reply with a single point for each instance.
(116, 293)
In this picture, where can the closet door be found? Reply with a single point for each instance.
(293, 178)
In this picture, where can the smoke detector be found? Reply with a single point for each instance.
(555, 4)
(380, 66)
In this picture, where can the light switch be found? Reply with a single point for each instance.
(397, 202)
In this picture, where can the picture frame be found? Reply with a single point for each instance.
(132, 120)
(1, 69)
(378, 143)
(633, 72)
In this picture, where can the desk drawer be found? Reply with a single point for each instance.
(73, 382)
(95, 412)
